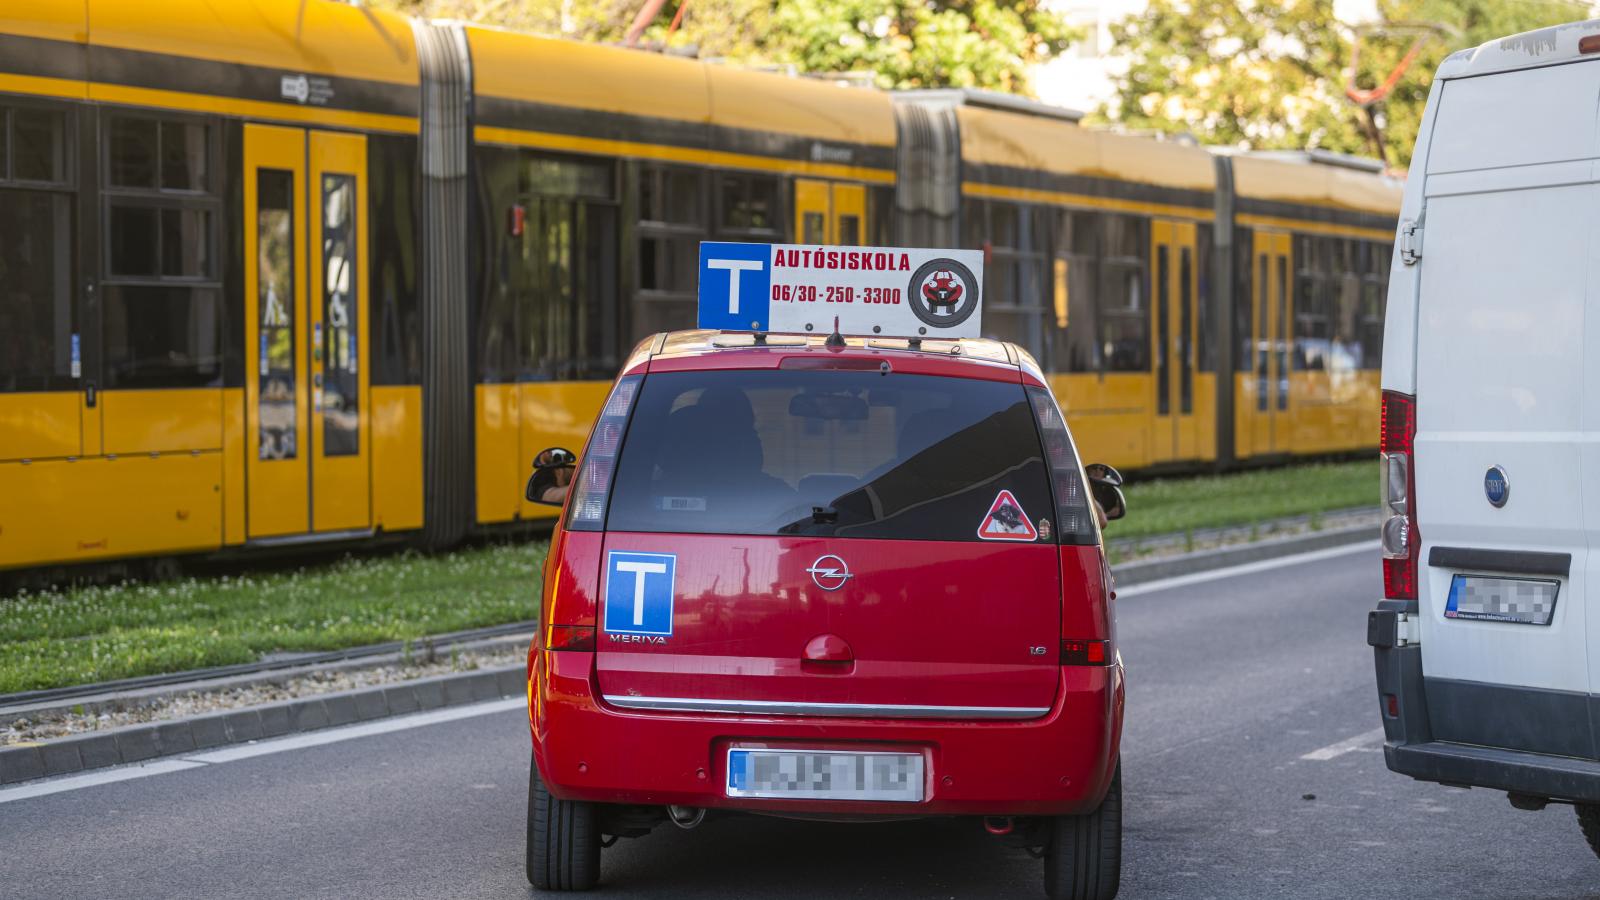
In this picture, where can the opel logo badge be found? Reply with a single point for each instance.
(829, 572)
(1496, 486)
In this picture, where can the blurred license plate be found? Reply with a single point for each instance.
(1525, 601)
(825, 775)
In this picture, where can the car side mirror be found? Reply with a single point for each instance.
(552, 474)
(1105, 483)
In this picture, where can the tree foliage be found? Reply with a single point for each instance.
(1261, 74)
(895, 43)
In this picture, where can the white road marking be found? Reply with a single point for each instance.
(261, 748)
(1333, 751)
(1264, 565)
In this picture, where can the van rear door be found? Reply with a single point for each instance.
(1501, 376)
(850, 543)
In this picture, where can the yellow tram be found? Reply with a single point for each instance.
(275, 271)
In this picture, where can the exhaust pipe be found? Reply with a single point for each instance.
(998, 825)
(686, 817)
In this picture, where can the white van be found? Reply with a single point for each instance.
(1488, 641)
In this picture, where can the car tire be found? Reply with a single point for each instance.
(1083, 855)
(563, 840)
(1589, 820)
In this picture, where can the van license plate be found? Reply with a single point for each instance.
(1525, 601)
(825, 775)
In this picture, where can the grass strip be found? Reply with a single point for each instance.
(1181, 505)
(82, 635)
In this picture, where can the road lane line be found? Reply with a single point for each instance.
(94, 779)
(1333, 751)
(1264, 565)
(260, 748)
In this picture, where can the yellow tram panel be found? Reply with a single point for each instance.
(66, 511)
(991, 137)
(555, 72)
(234, 449)
(758, 101)
(40, 425)
(1110, 415)
(499, 463)
(162, 421)
(397, 456)
(303, 36)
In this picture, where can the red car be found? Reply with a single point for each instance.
(837, 579)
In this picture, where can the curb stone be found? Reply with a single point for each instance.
(147, 741)
(1132, 573)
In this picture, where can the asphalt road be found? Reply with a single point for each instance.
(1232, 683)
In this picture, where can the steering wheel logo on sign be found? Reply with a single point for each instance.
(943, 293)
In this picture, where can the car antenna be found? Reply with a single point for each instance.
(835, 341)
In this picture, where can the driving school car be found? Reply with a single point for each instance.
(811, 575)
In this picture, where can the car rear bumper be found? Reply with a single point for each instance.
(1411, 748)
(1060, 763)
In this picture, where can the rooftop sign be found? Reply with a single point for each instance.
(872, 291)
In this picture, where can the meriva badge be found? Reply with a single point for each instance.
(1496, 487)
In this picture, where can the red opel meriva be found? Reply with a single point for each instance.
(806, 577)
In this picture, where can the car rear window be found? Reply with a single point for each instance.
(830, 453)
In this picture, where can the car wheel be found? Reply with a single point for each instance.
(1589, 819)
(1083, 858)
(563, 840)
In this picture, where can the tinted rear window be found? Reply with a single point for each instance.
(845, 454)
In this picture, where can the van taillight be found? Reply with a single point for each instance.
(1399, 486)
(593, 485)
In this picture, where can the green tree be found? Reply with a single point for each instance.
(1272, 75)
(990, 44)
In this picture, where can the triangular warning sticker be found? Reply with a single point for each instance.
(1006, 521)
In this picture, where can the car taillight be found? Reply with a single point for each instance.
(1399, 480)
(1085, 653)
(570, 637)
(592, 488)
(1074, 520)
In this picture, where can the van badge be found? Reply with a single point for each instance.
(1496, 486)
(830, 572)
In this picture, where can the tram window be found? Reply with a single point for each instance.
(161, 336)
(552, 176)
(134, 151)
(566, 303)
(396, 330)
(1374, 290)
(668, 264)
(5, 143)
(1206, 311)
(850, 230)
(184, 157)
(1078, 252)
(150, 241)
(1344, 352)
(814, 228)
(36, 273)
(341, 363)
(672, 195)
(1312, 259)
(38, 145)
(1124, 308)
(1243, 299)
(750, 204)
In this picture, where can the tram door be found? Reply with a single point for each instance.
(829, 213)
(306, 375)
(1175, 283)
(1263, 405)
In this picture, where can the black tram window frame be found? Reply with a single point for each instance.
(1025, 253)
(1141, 265)
(1077, 240)
(781, 207)
(209, 199)
(657, 301)
(603, 360)
(69, 187)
